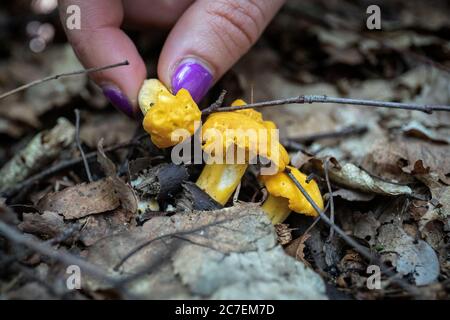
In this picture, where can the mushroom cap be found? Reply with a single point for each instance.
(166, 113)
(229, 129)
(148, 94)
(280, 185)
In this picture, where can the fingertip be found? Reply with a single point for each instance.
(100, 42)
(194, 75)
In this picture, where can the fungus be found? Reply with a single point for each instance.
(237, 136)
(165, 113)
(285, 197)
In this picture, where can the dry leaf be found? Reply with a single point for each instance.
(297, 247)
(106, 224)
(82, 200)
(128, 198)
(352, 177)
(412, 257)
(46, 225)
(42, 149)
(222, 254)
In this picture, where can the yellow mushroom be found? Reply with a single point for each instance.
(284, 196)
(165, 113)
(231, 131)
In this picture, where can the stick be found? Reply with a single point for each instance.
(217, 104)
(330, 192)
(45, 249)
(325, 99)
(362, 250)
(62, 75)
(64, 165)
(77, 139)
(141, 246)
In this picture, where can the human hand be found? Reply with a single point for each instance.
(207, 38)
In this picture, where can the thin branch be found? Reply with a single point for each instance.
(330, 192)
(60, 256)
(361, 249)
(313, 224)
(303, 99)
(62, 75)
(150, 241)
(77, 139)
(64, 165)
(217, 104)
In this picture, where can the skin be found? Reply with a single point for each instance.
(215, 32)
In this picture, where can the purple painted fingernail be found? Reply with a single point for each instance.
(118, 99)
(192, 76)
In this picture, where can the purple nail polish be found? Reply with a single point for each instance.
(192, 76)
(118, 99)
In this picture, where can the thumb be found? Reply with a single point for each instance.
(209, 38)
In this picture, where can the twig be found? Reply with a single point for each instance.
(313, 224)
(62, 75)
(77, 139)
(64, 165)
(178, 233)
(217, 104)
(236, 194)
(384, 43)
(330, 192)
(303, 99)
(362, 250)
(60, 256)
(66, 234)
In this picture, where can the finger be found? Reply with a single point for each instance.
(209, 38)
(98, 42)
(161, 13)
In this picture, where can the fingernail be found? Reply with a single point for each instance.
(192, 76)
(118, 99)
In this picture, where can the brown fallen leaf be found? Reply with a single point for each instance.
(124, 191)
(106, 224)
(82, 200)
(439, 205)
(409, 256)
(391, 158)
(365, 226)
(297, 247)
(46, 225)
(222, 254)
(284, 233)
(418, 130)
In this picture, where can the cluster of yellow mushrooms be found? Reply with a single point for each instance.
(165, 113)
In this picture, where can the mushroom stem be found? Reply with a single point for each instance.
(220, 180)
(276, 208)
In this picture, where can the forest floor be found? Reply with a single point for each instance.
(384, 173)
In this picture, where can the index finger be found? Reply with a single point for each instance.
(99, 41)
